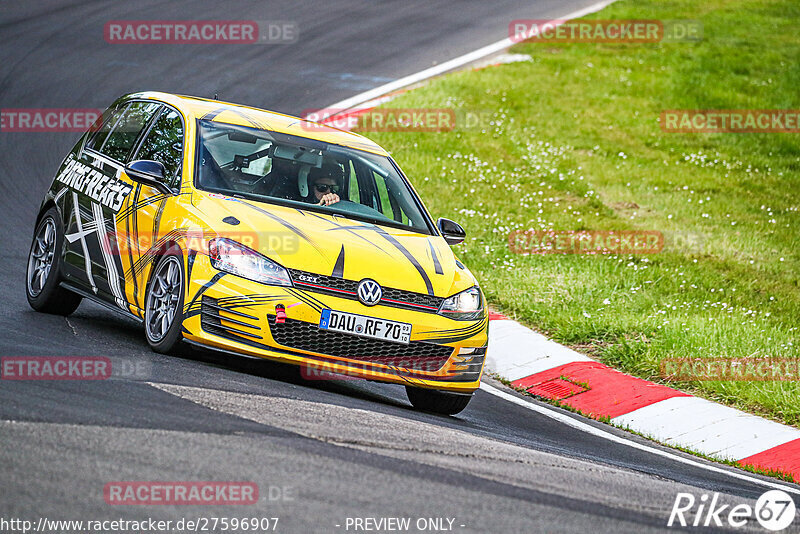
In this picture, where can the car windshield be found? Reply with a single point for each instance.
(268, 166)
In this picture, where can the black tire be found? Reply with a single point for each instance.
(46, 295)
(441, 402)
(169, 342)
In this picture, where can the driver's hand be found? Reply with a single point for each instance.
(328, 199)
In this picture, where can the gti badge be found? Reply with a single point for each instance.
(369, 292)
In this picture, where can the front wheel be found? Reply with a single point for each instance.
(44, 265)
(163, 313)
(442, 402)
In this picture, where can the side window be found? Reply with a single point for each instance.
(352, 183)
(164, 143)
(373, 190)
(110, 118)
(383, 194)
(120, 141)
(388, 203)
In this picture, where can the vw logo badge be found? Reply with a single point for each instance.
(369, 292)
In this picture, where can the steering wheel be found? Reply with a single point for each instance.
(358, 209)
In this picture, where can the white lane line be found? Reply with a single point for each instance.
(450, 65)
(589, 429)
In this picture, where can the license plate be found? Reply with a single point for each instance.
(361, 325)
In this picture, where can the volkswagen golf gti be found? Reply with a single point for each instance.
(264, 235)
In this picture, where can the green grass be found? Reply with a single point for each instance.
(573, 143)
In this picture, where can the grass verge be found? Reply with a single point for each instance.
(570, 140)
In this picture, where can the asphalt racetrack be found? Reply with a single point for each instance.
(320, 452)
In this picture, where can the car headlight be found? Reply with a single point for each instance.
(464, 306)
(235, 258)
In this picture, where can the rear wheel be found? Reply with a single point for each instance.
(44, 265)
(163, 313)
(442, 402)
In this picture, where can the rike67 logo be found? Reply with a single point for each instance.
(774, 510)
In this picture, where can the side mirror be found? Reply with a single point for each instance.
(451, 231)
(149, 172)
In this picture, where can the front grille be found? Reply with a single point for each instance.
(417, 355)
(397, 298)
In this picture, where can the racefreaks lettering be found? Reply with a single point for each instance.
(104, 189)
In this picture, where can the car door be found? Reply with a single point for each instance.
(73, 176)
(144, 225)
(99, 196)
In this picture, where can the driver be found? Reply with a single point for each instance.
(325, 184)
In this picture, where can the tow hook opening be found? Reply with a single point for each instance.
(280, 314)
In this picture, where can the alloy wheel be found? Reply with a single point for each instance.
(41, 258)
(162, 303)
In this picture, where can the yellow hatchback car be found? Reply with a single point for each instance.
(260, 234)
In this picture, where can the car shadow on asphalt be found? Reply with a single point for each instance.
(101, 327)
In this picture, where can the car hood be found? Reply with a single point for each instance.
(332, 245)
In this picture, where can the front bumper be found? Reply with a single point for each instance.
(230, 313)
